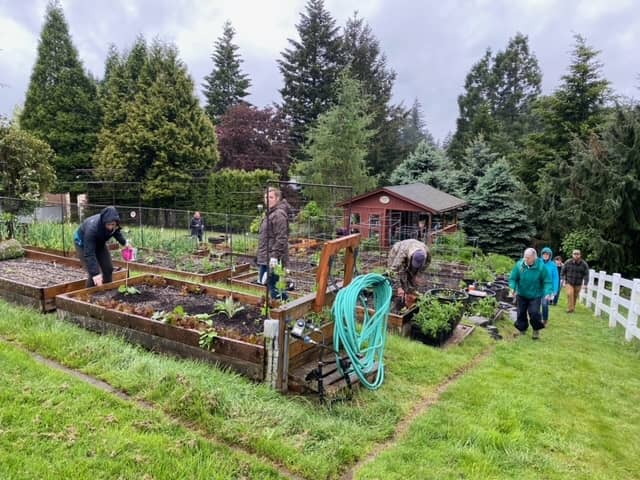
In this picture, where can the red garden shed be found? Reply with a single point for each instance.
(403, 211)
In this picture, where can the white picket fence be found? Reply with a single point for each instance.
(608, 300)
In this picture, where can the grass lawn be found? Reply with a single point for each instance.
(561, 407)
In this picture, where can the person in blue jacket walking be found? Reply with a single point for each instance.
(530, 281)
(550, 264)
(91, 244)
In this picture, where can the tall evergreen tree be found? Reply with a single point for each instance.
(571, 114)
(499, 94)
(337, 144)
(310, 68)
(478, 158)
(368, 64)
(427, 164)
(166, 139)
(226, 85)
(414, 129)
(604, 192)
(61, 105)
(497, 214)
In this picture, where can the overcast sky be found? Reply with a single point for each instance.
(430, 44)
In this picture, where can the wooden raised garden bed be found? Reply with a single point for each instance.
(106, 309)
(37, 278)
(192, 268)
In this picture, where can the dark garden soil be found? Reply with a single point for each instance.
(184, 263)
(39, 273)
(179, 306)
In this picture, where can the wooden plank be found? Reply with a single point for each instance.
(253, 370)
(330, 248)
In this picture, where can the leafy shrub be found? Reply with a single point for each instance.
(485, 308)
(436, 318)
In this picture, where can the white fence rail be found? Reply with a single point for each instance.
(619, 308)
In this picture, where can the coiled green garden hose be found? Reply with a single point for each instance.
(365, 342)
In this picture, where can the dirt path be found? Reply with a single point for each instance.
(419, 409)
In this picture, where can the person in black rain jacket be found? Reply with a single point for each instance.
(91, 244)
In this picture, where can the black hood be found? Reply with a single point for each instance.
(109, 214)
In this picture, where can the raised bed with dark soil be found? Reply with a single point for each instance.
(237, 344)
(190, 267)
(35, 279)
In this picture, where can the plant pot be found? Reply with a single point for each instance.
(433, 340)
(477, 294)
(448, 295)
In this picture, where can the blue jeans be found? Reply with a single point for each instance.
(272, 279)
(545, 309)
(529, 313)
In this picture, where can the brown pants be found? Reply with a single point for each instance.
(573, 293)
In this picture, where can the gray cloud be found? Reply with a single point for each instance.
(431, 45)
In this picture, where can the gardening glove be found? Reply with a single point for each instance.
(273, 262)
(97, 280)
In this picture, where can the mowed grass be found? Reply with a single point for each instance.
(54, 426)
(563, 407)
(314, 441)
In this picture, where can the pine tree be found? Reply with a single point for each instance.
(310, 68)
(571, 114)
(497, 216)
(226, 85)
(427, 164)
(166, 139)
(337, 144)
(605, 192)
(61, 105)
(368, 64)
(499, 93)
(414, 129)
(478, 158)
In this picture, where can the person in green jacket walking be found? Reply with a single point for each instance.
(530, 280)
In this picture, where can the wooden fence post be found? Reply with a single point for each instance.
(601, 277)
(634, 311)
(615, 293)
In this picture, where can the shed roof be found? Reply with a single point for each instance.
(422, 195)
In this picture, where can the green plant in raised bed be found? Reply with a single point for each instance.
(228, 307)
(207, 266)
(169, 317)
(207, 338)
(127, 290)
(281, 284)
(485, 308)
(150, 260)
(436, 318)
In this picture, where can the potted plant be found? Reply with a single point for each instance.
(435, 321)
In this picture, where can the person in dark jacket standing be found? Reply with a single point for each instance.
(531, 281)
(575, 273)
(91, 244)
(197, 226)
(273, 241)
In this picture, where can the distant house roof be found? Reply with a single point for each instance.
(419, 194)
